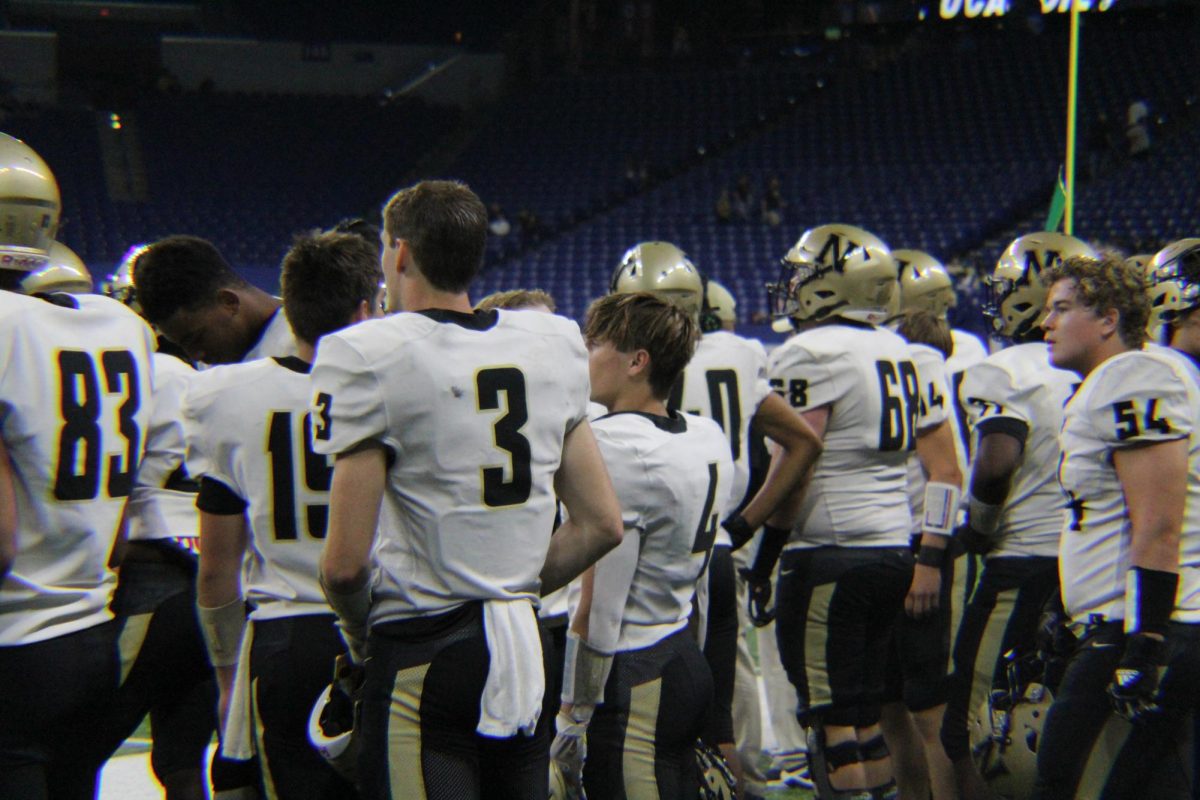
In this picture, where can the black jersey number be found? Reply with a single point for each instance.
(316, 471)
(80, 441)
(900, 392)
(797, 391)
(490, 384)
(1125, 414)
(722, 386)
(706, 531)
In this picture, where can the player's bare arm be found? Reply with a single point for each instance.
(1154, 481)
(798, 448)
(8, 514)
(594, 526)
(935, 449)
(354, 497)
(223, 540)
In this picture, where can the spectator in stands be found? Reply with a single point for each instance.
(498, 224)
(528, 225)
(724, 206)
(773, 203)
(743, 199)
(1101, 144)
(1137, 134)
(681, 43)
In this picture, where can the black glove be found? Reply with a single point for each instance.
(1134, 687)
(972, 540)
(1054, 639)
(759, 607)
(739, 530)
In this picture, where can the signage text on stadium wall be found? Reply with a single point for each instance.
(949, 9)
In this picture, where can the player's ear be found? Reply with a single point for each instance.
(639, 362)
(1111, 319)
(229, 300)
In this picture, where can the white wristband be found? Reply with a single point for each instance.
(941, 507)
(585, 671)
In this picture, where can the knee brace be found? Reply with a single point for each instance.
(874, 749)
(824, 759)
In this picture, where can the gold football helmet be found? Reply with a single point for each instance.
(925, 284)
(119, 285)
(1005, 734)
(65, 272)
(1018, 295)
(29, 207)
(720, 301)
(835, 270)
(1173, 281)
(662, 269)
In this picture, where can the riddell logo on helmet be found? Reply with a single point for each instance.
(21, 261)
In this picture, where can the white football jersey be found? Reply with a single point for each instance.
(1017, 386)
(934, 410)
(249, 427)
(968, 351)
(475, 408)
(672, 476)
(276, 341)
(163, 503)
(858, 493)
(726, 381)
(74, 408)
(1132, 399)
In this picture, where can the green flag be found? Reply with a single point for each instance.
(1058, 204)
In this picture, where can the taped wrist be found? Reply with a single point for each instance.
(983, 517)
(223, 628)
(585, 671)
(773, 541)
(1149, 599)
(353, 610)
(941, 507)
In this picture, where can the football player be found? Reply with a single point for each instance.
(1129, 555)
(726, 382)
(629, 614)
(1174, 285)
(915, 694)
(1014, 400)
(465, 427)
(75, 377)
(191, 294)
(170, 677)
(268, 507)
(65, 272)
(847, 569)
(926, 285)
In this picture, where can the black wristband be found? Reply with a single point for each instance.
(1149, 599)
(931, 556)
(773, 541)
(739, 530)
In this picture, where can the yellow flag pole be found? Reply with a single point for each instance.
(1072, 101)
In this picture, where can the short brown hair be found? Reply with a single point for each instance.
(445, 226)
(641, 321)
(1108, 282)
(517, 299)
(325, 278)
(924, 327)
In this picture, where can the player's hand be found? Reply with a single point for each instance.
(758, 600)
(739, 530)
(924, 592)
(1054, 639)
(569, 752)
(1134, 687)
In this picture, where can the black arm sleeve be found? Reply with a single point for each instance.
(217, 498)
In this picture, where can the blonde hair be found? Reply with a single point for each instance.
(515, 299)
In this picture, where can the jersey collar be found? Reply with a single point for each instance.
(673, 423)
(475, 321)
(294, 363)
